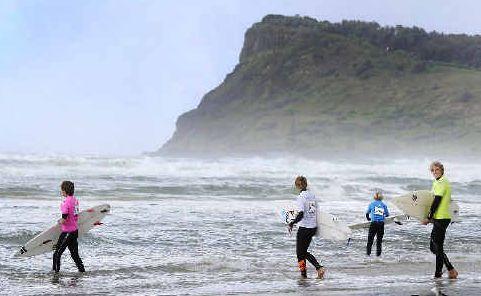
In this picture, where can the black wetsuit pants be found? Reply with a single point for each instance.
(303, 240)
(437, 245)
(67, 239)
(375, 229)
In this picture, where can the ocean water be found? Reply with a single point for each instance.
(212, 227)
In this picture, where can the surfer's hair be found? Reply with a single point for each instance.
(378, 195)
(301, 183)
(438, 165)
(68, 187)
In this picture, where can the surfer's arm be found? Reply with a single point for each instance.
(298, 218)
(367, 212)
(63, 219)
(434, 206)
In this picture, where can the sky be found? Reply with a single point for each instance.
(111, 77)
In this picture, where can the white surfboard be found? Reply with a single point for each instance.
(417, 204)
(45, 241)
(398, 219)
(328, 226)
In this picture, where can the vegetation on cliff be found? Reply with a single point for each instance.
(317, 88)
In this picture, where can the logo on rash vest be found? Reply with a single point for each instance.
(379, 211)
(312, 207)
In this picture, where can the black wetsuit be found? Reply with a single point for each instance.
(375, 229)
(67, 239)
(303, 240)
(437, 245)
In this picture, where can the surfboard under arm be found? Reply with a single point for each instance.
(417, 204)
(398, 219)
(328, 226)
(45, 241)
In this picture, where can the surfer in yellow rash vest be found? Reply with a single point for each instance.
(440, 217)
(307, 218)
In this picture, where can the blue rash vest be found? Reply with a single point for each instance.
(377, 211)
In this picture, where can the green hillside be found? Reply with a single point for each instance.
(320, 89)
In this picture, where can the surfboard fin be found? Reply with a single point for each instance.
(98, 223)
(348, 242)
(23, 250)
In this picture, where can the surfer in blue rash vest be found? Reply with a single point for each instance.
(376, 212)
(441, 218)
(307, 218)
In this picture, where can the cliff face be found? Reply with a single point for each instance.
(316, 88)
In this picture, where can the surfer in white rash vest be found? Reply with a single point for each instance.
(307, 218)
(440, 217)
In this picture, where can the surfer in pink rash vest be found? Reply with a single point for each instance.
(68, 223)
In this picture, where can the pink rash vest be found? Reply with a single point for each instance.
(70, 207)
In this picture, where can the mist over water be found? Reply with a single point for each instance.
(207, 227)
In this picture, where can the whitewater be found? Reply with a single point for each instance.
(183, 226)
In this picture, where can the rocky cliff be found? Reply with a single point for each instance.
(315, 88)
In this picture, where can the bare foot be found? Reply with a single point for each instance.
(453, 274)
(320, 273)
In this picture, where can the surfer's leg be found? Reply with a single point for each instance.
(437, 241)
(452, 272)
(444, 224)
(313, 260)
(446, 261)
(432, 246)
(302, 243)
(380, 234)
(370, 238)
(73, 248)
(309, 256)
(61, 246)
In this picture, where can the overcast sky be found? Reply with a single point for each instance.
(111, 77)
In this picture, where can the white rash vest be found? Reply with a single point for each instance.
(306, 202)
